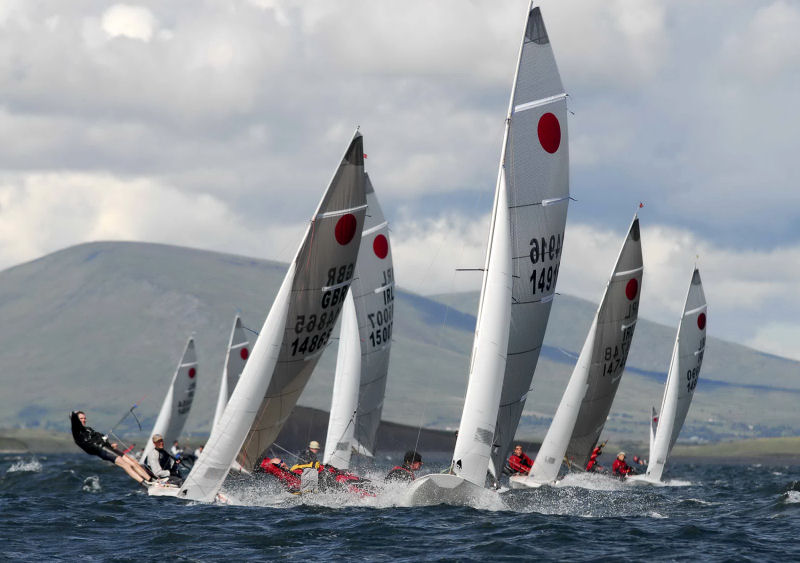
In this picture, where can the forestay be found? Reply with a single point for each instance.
(684, 370)
(609, 340)
(294, 334)
(536, 161)
(364, 344)
(238, 352)
(613, 333)
(178, 402)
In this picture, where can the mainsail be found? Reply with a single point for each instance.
(608, 345)
(364, 344)
(536, 161)
(684, 369)
(294, 334)
(178, 402)
(238, 352)
(602, 358)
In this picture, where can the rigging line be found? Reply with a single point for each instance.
(277, 445)
(250, 330)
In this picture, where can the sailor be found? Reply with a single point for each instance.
(278, 469)
(620, 468)
(518, 462)
(176, 450)
(592, 465)
(309, 455)
(94, 443)
(412, 461)
(161, 463)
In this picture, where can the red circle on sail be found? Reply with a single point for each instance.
(632, 289)
(192, 373)
(549, 132)
(701, 321)
(380, 246)
(243, 353)
(345, 228)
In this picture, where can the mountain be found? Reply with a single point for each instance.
(101, 326)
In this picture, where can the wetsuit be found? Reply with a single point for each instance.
(518, 464)
(307, 457)
(400, 473)
(91, 441)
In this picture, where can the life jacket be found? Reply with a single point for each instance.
(620, 468)
(309, 475)
(518, 464)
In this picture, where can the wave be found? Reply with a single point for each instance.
(32, 466)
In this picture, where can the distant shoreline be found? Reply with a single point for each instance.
(311, 424)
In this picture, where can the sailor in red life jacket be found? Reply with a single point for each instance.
(518, 463)
(277, 468)
(620, 468)
(412, 461)
(592, 465)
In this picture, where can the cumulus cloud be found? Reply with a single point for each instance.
(124, 20)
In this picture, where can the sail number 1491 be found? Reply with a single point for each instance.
(542, 251)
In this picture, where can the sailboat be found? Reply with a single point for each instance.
(178, 401)
(522, 261)
(583, 409)
(294, 335)
(365, 341)
(238, 352)
(684, 370)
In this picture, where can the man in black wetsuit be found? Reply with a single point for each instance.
(412, 461)
(94, 443)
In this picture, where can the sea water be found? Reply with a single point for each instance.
(70, 507)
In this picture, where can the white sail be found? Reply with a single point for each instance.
(238, 352)
(344, 401)
(616, 322)
(474, 442)
(295, 332)
(364, 344)
(178, 402)
(536, 159)
(684, 370)
(612, 328)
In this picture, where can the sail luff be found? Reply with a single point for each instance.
(235, 359)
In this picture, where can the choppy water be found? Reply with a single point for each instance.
(70, 507)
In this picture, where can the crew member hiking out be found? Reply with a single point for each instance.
(161, 463)
(620, 468)
(518, 463)
(94, 443)
(412, 461)
(593, 465)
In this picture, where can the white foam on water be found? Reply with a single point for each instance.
(91, 484)
(677, 483)
(591, 481)
(32, 466)
(656, 515)
(792, 497)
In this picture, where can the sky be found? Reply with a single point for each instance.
(218, 124)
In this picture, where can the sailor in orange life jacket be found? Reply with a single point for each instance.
(620, 468)
(412, 461)
(518, 462)
(592, 465)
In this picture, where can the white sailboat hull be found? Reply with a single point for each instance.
(644, 480)
(441, 488)
(523, 482)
